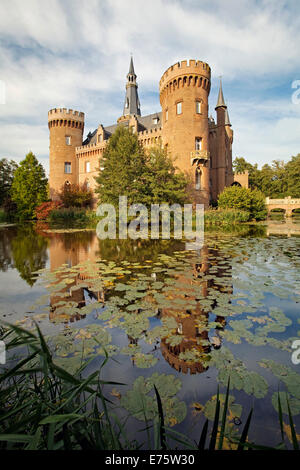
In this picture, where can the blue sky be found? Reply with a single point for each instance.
(76, 53)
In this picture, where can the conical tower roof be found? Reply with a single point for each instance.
(132, 102)
(131, 67)
(227, 120)
(221, 101)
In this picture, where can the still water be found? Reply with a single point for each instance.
(182, 320)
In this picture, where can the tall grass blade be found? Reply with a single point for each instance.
(222, 432)
(162, 431)
(214, 433)
(245, 431)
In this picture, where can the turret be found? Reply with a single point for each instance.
(132, 103)
(66, 131)
(222, 168)
(184, 90)
(221, 107)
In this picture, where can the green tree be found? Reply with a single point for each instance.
(76, 195)
(143, 176)
(252, 201)
(29, 187)
(165, 183)
(240, 165)
(7, 170)
(124, 163)
(293, 176)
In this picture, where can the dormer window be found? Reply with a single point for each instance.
(155, 120)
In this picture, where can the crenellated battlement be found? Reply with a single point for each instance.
(88, 147)
(185, 67)
(155, 130)
(64, 113)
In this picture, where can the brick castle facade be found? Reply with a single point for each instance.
(200, 145)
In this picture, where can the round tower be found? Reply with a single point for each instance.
(184, 90)
(66, 131)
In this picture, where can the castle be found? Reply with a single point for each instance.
(201, 146)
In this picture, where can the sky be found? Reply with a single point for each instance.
(76, 54)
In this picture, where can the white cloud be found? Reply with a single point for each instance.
(76, 54)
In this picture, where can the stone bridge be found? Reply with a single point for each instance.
(288, 204)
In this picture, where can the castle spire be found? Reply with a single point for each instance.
(221, 101)
(132, 102)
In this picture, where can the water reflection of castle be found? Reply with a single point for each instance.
(71, 250)
(194, 338)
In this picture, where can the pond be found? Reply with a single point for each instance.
(182, 320)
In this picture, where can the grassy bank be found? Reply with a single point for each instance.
(225, 217)
(73, 217)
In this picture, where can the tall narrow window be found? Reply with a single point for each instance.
(68, 140)
(198, 143)
(167, 114)
(198, 179)
(68, 168)
(198, 107)
(179, 107)
(87, 167)
(100, 138)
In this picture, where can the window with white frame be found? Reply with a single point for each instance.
(68, 167)
(179, 107)
(198, 143)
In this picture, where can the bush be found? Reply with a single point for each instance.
(44, 210)
(225, 216)
(72, 215)
(10, 208)
(2, 216)
(251, 201)
(76, 195)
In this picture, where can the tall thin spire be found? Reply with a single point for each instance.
(132, 102)
(221, 101)
(131, 67)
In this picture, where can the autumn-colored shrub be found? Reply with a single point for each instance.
(44, 210)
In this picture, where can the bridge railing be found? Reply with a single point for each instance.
(287, 201)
